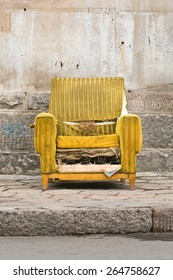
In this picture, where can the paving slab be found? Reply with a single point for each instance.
(76, 207)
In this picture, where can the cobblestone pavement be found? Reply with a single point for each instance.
(150, 206)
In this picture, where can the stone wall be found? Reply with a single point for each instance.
(44, 39)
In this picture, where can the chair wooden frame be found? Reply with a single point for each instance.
(88, 177)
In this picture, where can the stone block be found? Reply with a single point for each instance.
(49, 222)
(162, 219)
(15, 135)
(157, 130)
(19, 163)
(151, 100)
(155, 160)
(39, 101)
(13, 101)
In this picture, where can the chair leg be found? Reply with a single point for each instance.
(132, 178)
(123, 180)
(45, 178)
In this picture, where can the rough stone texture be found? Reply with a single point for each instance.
(47, 222)
(13, 101)
(157, 130)
(15, 134)
(39, 101)
(151, 100)
(159, 160)
(19, 163)
(162, 219)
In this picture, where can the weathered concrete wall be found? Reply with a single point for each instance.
(43, 39)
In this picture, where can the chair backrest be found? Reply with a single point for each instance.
(84, 99)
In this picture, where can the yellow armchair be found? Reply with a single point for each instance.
(85, 136)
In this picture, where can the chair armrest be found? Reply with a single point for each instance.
(45, 141)
(129, 130)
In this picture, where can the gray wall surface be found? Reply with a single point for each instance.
(40, 40)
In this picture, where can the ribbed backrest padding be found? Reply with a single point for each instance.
(83, 99)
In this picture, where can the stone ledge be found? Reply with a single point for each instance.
(15, 135)
(13, 101)
(157, 130)
(162, 219)
(155, 160)
(19, 163)
(38, 101)
(21, 222)
(151, 100)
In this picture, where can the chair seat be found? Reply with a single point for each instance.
(78, 142)
(88, 156)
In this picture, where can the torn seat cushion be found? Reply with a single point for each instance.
(88, 156)
(78, 142)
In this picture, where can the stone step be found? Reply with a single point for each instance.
(37, 222)
(32, 222)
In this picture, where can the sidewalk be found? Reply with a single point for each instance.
(85, 207)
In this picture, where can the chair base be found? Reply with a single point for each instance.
(88, 177)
